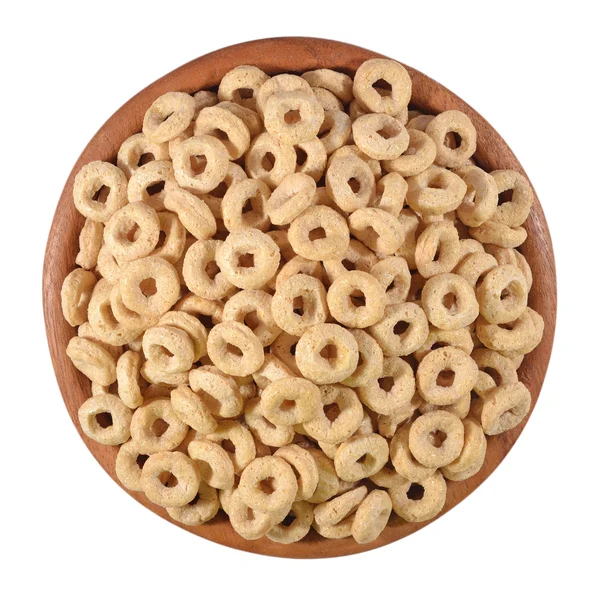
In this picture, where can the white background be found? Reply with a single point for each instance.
(531, 530)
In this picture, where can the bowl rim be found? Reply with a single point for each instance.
(275, 55)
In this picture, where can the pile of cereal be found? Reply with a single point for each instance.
(300, 302)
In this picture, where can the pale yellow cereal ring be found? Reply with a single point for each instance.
(361, 456)
(192, 326)
(284, 533)
(329, 483)
(472, 456)
(304, 467)
(523, 336)
(280, 83)
(253, 308)
(435, 191)
(202, 508)
(502, 295)
(311, 158)
(438, 338)
(290, 401)
(504, 407)
(416, 158)
(75, 296)
(357, 256)
(445, 375)
(105, 419)
(241, 85)
(449, 301)
(436, 438)
(376, 229)
(209, 312)
(128, 466)
(90, 242)
(204, 98)
(370, 360)
(172, 241)
(390, 194)
(191, 409)
(249, 117)
(147, 184)
(469, 246)
(248, 193)
(417, 502)
(402, 330)
(335, 130)
(284, 348)
(218, 392)
(214, 199)
(213, 464)
(403, 460)
(447, 122)
(508, 256)
(350, 182)
(437, 249)
(393, 390)
(168, 116)
(201, 273)
(99, 190)
(248, 523)
(291, 197)
(354, 150)
(387, 425)
(355, 110)
(225, 126)
(394, 275)
(516, 187)
(128, 318)
(128, 378)
(460, 408)
(336, 511)
(137, 150)
(340, 350)
(94, 361)
(107, 266)
(419, 122)
(334, 81)
(481, 198)
(234, 433)
(371, 517)
(264, 431)
(328, 100)
(272, 369)
(319, 233)
(499, 234)
(270, 160)
(298, 265)
(171, 349)
(155, 427)
(392, 72)
(380, 136)
(387, 477)
(234, 349)
(152, 374)
(157, 390)
(475, 266)
(409, 224)
(341, 530)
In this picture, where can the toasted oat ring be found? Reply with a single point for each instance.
(370, 300)
(216, 165)
(338, 83)
(99, 190)
(336, 532)
(357, 257)
(201, 273)
(171, 349)
(504, 407)
(218, 392)
(348, 419)
(241, 85)
(499, 234)
(387, 477)
(293, 117)
(284, 348)
(523, 336)
(201, 307)
(166, 281)
(502, 295)
(144, 427)
(469, 246)
(387, 425)
(340, 346)
(290, 401)
(449, 301)
(213, 464)
(280, 83)
(270, 160)
(329, 101)
(335, 130)
(234, 349)
(423, 438)
(249, 116)
(319, 233)
(361, 456)
(390, 193)
(380, 136)
(224, 125)
(168, 116)
(370, 364)
(94, 361)
(438, 338)
(437, 240)
(336, 511)
(152, 374)
(291, 197)
(253, 308)
(410, 225)
(514, 212)
(263, 259)
(437, 388)
(298, 265)
(214, 198)
(304, 467)
(393, 274)
(105, 419)
(190, 408)
(128, 318)
(329, 483)
(344, 175)
(404, 342)
(174, 243)
(90, 242)
(460, 408)
(236, 199)
(265, 431)
(430, 499)
(75, 295)
(393, 390)
(128, 466)
(202, 508)
(472, 455)
(435, 191)
(299, 528)
(272, 471)
(371, 517)
(481, 199)
(156, 172)
(390, 71)
(176, 464)
(192, 326)
(416, 158)
(475, 266)
(311, 158)
(248, 523)
(508, 256)
(134, 151)
(452, 121)
(128, 378)
(403, 460)
(193, 212)
(354, 150)
(272, 369)
(376, 229)
(242, 440)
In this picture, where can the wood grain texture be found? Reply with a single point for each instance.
(275, 56)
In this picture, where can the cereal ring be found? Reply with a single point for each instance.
(437, 249)
(475, 266)
(192, 326)
(248, 258)
(417, 502)
(99, 190)
(304, 467)
(202, 508)
(207, 311)
(502, 295)
(128, 318)
(516, 188)
(394, 74)
(393, 336)
(357, 256)
(436, 438)
(213, 464)
(172, 247)
(226, 127)
(371, 517)
(376, 229)
(354, 150)
(290, 401)
(356, 299)
(523, 336)
(471, 457)
(214, 199)
(420, 122)
(403, 460)
(204, 98)
(409, 224)
(152, 374)
(360, 457)
(416, 158)
(311, 158)
(499, 234)
(234, 349)
(148, 427)
(291, 197)
(337, 83)
(393, 274)
(340, 350)
(272, 369)
(339, 511)
(446, 374)
(508, 256)
(75, 296)
(137, 150)
(270, 160)
(162, 294)
(329, 101)
(387, 425)
(169, 348)
(329, 483)
(393, 390)
(236, 435)
(94, 361)
(280, 83)
(248, 193)
(168, 116)
(253, 308)
(449, 301)
(191, 409)
(132, 232)
(335, 130)
(148, 178)
(241, 85)
(504, 407)
(246, 522)
(370, 360)
(202, 274)
(284, 348)
(460, 408)
(435, 191)
(319, 233)
(283, 533)
(293, 117)
(298, 265)
(128, 378)
(452, 122)
(263, 430)
(350, 182)
(107, 266)
(390, 194)
(248, 116)
(438, 338)
(105, 419)
(218, 392)
(90, 242)
(387, 477)
(380, 136)
(468, 246)
(481, 198)
(210, 172)
(128, 466)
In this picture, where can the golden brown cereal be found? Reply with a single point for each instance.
(403, 460)
(169, 348)
(290, 198)
(253, 308)
(402, 330)
(354, 150)
(436, 438)
(202, 508)
(94, 361)
(329, 483)
(390, 193)
(263, 430)
(237, 435)
(376, 229)
(225, 126)
(128, 466)
(272, 369)
(289, 401)
(508, 256)
(270, 160)
(304, 467)
(449, 301)
(128, 378)
(236, 199)
(435, 191)
(334, 514)
(280, 83)
(153, 174)
(168, 116)
(170, 248)
(437, 338)
(235, 349)
(437, 249)
(350, 182)
(380, 136)
(481, 199)
(248, 523)
(337, 83)
(515, 211)
(448, 122)
(329, 101)
(213, 464)
(288, 534)
(90, 242)
(357, 257)
(370, 360)
(284, 348)
(152, 374)
(148, 427)
(504, 407)
(502, 295)
(105, 419)
(416, 158)
(192, 326)
(361, 456)
(471, 458)
(371, 517)
(417, 502)
(499, 234)
(75, 296)
(191, 409)
(523, 336)
(475, 266)
(393, 274)
(201, 273)
(218, 392)
(138, 150)
(293, 117)
(241, 85)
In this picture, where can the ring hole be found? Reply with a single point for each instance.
(267, 486)
(325, 129)
(162, 238)
(507, 326)
(247, 206)
(212, 269)
(132, 233)
(387, 132)
(293, 349)
(301, 156)
(198, 164)
(437, 438)
(363, 459)
(299, 307)
(436, 183)
(332, 411)
(231, 349)
(415, 492)
(445, 378)
(348, 265)
(361, 360)
(449, 302)
(101, 194)
(145, 159)
(494, 374)
(245, 93)
(436, 256)
(104, 420)
(317, 234)
(401, 327)
(228, 446)
(354, 184)
(164, 350)
(159, 427)
(155, 188)
(357, 297)
(220, 190)
(268, 161)
(504, 197)
(452, 140)
(148, 287)
(141, 460)
(292, 117)
(246, 260)
(194, 500)
(220, 135)
(168, 479)
(382, 87)
(505, 294)
(252, 320)
(439, 345)
(329, 352)
(386, 383)
(291, 517)
(287, 405)
(108, 314)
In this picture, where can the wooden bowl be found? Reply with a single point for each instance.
(276, 56)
